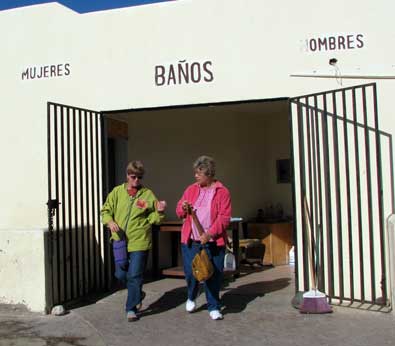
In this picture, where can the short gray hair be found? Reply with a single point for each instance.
(206, 165)
(135, 167)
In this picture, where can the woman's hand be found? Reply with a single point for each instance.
(161, 206)
(186, 206)
(205, 237)
(113, 226)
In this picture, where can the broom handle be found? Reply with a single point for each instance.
(192, 212)
(311, 240)
(195, 220)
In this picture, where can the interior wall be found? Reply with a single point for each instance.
(121, 159)
(245, 140)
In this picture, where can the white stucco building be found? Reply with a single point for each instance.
(190, 77)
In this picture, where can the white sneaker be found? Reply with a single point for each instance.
(190, 306)
(216, 315)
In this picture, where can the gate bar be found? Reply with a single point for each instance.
(358, 184)
(57, 197)
(338, 200)
(328, 203)
(98, 206)
(82, 203)
(316, 228)
(88, 242)
(50, 212)
(306, 279)
(295, 233)
(380, 199)
(348, 187)
(321, 278)
(369, 194)
(75, 184)
(94, 253)
(63, 206)
(70, 243)
(105, 188)
(311, 222)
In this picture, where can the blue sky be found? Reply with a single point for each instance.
(80, 6)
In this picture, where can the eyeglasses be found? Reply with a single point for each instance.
(134, 177)
(200, 173)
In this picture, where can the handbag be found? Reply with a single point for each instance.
(120, 250)
(202, 268)
(120, 247)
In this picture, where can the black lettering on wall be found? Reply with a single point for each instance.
(40, 73)
(341, 42)
(184, 72)
(350, 42)
(195, 72)
(46, 71)
(53, 71)
(210, 77)
(172, 76)
(67, 69)
(32, 72)
(25, 74)
(322, 44)
(360, 41)
(334, 42)
(313, 45)
(159, 75)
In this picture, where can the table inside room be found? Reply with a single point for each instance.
(277, 236)
(174, 227)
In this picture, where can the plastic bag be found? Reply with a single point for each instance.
(229, 261)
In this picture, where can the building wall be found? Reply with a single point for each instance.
(107, 60)
(22, 265)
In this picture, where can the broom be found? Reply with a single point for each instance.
(314, 301)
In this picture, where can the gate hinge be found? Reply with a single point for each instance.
(52, 204)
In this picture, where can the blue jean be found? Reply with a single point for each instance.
(213, 285)
(133, 277)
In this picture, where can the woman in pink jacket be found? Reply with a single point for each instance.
(211, 202)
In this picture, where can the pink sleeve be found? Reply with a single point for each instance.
(179, 211)
(222, 219)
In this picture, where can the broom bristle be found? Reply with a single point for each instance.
(315, 302)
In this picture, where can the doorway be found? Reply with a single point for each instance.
(247, 139)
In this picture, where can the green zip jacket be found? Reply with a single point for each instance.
(134, 215)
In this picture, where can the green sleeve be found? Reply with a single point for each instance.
(154, 217)
(107, 211)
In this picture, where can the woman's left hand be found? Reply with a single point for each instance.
(204, 238)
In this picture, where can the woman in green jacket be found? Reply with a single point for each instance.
(133, 208)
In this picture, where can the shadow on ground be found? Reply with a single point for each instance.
(168, 301)
(234, 299)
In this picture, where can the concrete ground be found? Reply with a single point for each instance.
(257, 311)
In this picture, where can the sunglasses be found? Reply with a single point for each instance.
(134, 177)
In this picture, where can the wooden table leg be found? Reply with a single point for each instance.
(235, 238)
(155, 251)
(174, 249)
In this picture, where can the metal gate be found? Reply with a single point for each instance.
(78, 245)
(343, 191)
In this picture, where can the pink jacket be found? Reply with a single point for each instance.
(220, 212)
